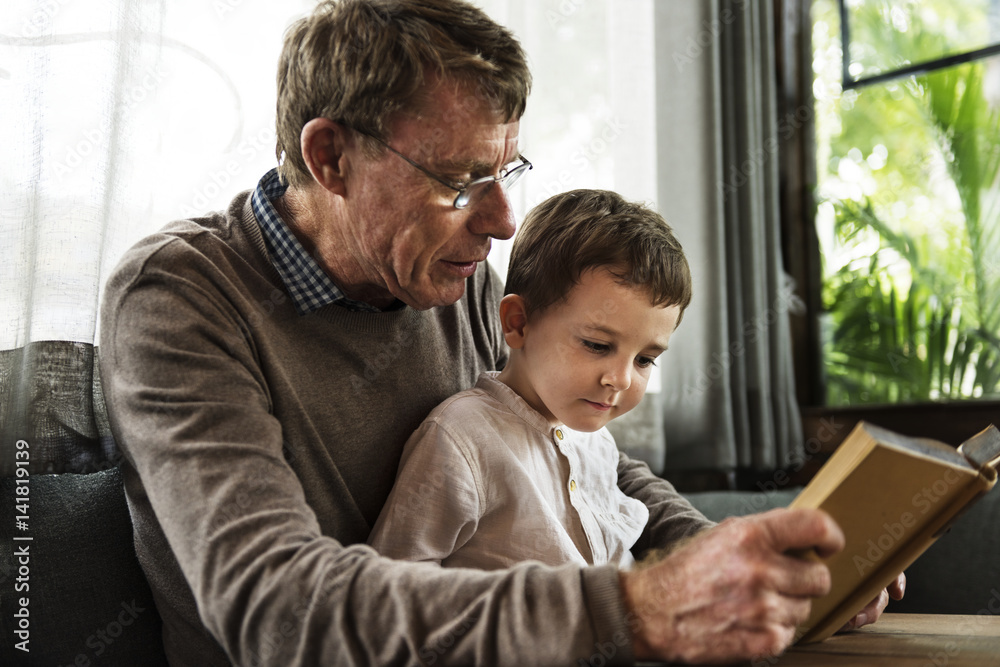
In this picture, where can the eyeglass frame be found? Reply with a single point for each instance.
(506, 178)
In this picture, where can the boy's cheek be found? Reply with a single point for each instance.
(563, 351)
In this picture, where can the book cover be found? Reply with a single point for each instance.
(893, 496)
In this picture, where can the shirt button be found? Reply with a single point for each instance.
(572, 485)
(559, 433)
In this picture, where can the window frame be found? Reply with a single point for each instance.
(850, 82)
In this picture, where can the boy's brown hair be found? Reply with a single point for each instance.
(575, 231)
(358, 62)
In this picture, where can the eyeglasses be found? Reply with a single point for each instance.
(472, 192)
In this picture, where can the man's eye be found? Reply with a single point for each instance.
(460, 179)
(645, 362)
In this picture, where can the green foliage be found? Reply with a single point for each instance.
(915, 315)
(893, 342)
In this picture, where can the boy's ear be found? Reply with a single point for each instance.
(513, 318)
(322, 142)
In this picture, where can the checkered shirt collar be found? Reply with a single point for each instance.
(309, 286)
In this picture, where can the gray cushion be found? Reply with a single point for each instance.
(960, 573)
(87, 594)
(717, 505)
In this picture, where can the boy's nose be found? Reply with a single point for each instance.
(617, 376)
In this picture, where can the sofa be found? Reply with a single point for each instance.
(89, 603)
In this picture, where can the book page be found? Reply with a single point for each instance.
(983, 449)
(921, 446)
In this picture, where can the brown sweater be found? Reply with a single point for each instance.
(261, 445)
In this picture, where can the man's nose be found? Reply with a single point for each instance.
(492, 215)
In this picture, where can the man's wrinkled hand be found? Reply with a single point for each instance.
(733, 592)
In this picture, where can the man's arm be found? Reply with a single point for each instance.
(194, 412)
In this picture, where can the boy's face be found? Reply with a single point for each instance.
(586, 360)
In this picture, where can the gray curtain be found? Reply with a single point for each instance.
(729, 396)
(50, 397)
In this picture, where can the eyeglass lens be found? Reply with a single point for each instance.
(475, 191)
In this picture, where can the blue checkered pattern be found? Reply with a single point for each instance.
(308, 285)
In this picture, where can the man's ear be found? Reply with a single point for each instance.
(513, 319)
(322, 142)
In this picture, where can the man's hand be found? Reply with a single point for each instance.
(870, 613)
(733, 592)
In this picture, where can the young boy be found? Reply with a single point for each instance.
(521, 467)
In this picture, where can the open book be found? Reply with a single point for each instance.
(893, 496)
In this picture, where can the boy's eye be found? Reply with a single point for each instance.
(645, 362)
(594, 347)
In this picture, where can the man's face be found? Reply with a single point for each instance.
(409, 239)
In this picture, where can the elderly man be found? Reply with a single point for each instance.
(264, 365)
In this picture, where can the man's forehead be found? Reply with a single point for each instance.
(457, 137)
(460, 101)
(456, 120)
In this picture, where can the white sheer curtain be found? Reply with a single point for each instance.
(121, 116)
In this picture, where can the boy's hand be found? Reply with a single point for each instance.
(731, 593)
(871, 613)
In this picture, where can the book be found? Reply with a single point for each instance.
(893, 496)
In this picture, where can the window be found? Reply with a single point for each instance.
(908, 199)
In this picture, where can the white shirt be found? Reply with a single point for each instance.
(487, 482)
